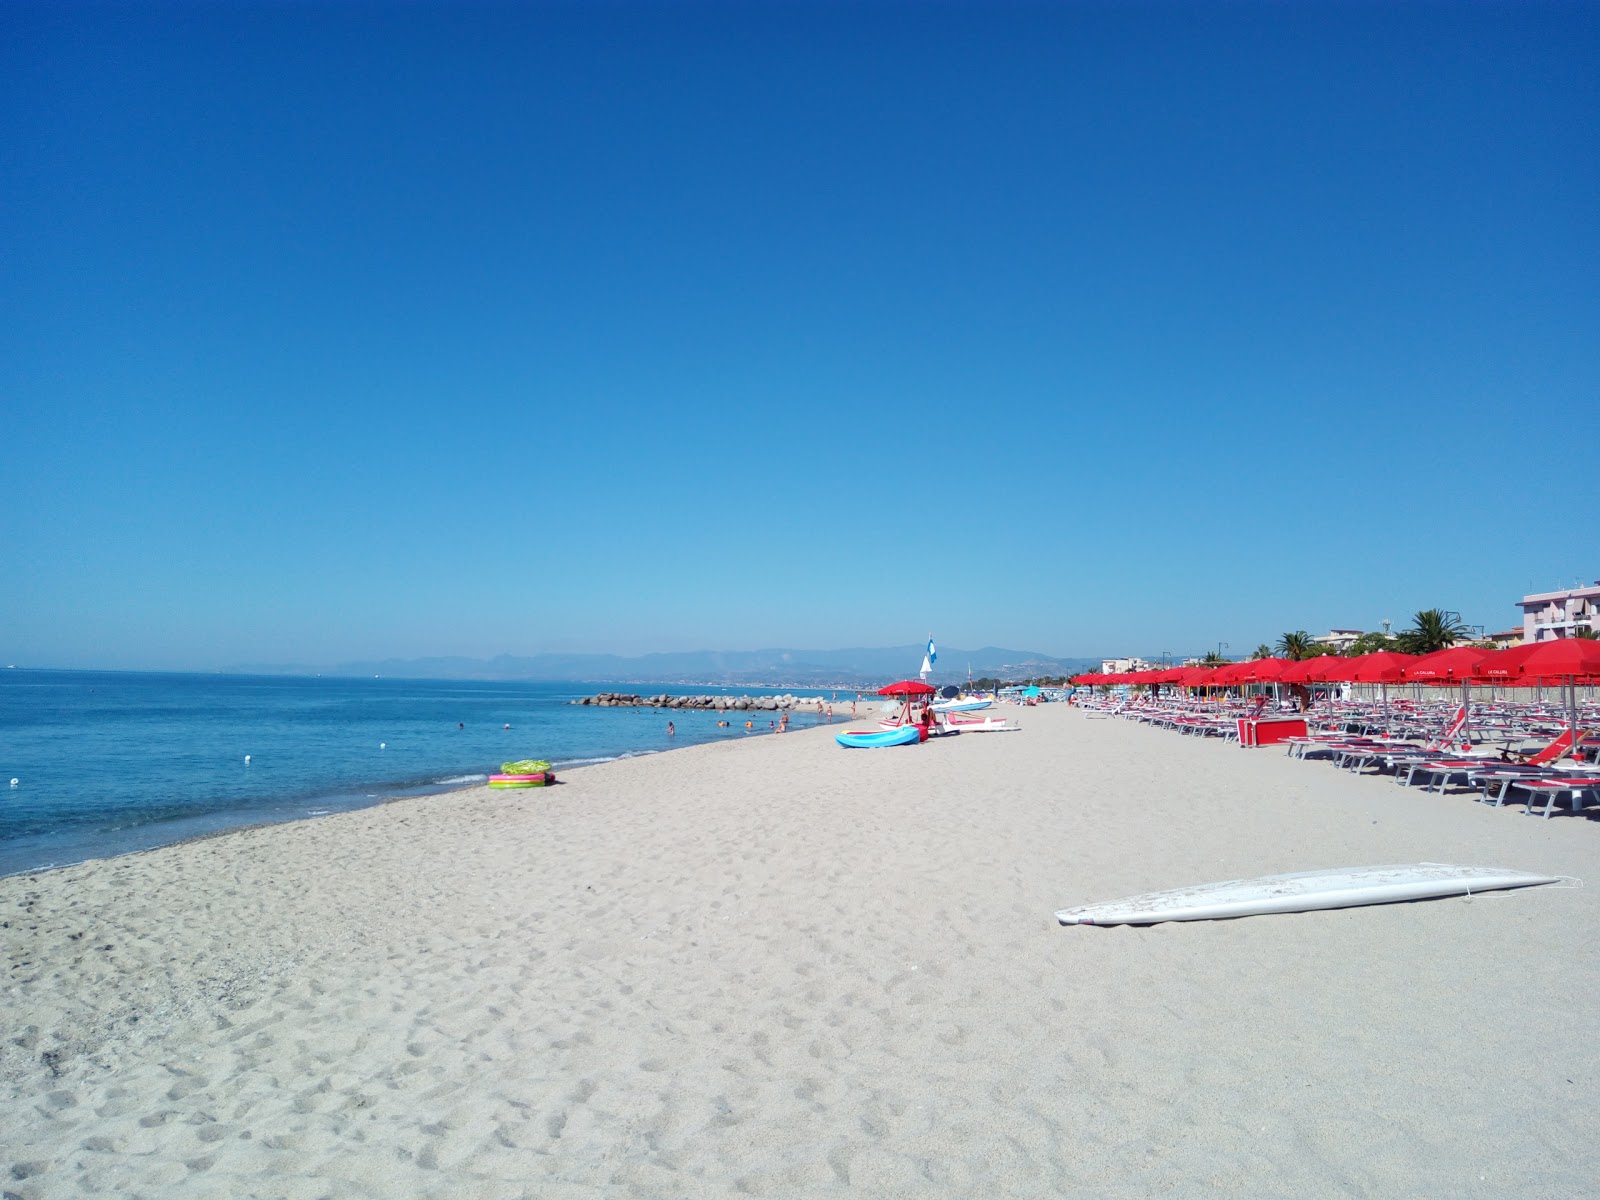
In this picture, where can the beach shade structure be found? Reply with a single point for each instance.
(949, 691)
(1445, 666)
(1266, 670)
(1331, 668)
(1298, 672)
(907, 687)
(1568, 659)
(1314, 670)
(1385, 666)
(1030, 691)
(1229, 675)
(1504, 666)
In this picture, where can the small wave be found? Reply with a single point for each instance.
(461, 779)
(584, 762)
(318, 812)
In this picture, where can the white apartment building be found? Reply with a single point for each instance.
(1119, 666)
(1340, 639)
(1547, 615)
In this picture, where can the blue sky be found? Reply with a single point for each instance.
(338, 331)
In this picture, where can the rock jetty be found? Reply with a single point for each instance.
(718, 703)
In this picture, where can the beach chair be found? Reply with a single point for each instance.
(1557, 749)
(1439, 772)
(1575, 787)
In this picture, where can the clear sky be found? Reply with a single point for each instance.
(333, 330)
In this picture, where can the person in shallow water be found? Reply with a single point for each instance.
(671, 731)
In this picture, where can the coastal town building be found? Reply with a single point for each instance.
(1505, 639)
(1548, 615)
(1118, 666)
(1340, 639)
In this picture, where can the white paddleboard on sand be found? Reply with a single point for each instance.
(1302, 891)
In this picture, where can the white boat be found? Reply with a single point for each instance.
(976, 724)
(938, 729)
(962, 704)
(1300, 891)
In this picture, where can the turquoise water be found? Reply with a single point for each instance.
(108, 762)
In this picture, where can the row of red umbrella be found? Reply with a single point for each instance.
(1525, 665)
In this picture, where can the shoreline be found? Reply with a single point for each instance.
(790, 969)
(419, 792)
(204, 815)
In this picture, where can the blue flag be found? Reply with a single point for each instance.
(933, 655)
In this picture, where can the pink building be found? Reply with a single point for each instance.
(1547, 615)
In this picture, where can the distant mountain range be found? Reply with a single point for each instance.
(776, 667)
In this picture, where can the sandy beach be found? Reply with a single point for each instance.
(776, 967)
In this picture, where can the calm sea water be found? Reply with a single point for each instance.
(108, 762)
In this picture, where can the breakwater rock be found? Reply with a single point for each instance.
(717, 703)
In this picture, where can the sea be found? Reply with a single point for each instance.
(95, 764)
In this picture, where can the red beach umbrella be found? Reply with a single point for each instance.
(1331, 668)
(1567, 657)
(1445, 666)
(1385, 666)
(1265, 670)
(907, 687)
(1310, 670)
(1505, 666)
(1296, 672)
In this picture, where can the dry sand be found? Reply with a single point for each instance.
(776, 967)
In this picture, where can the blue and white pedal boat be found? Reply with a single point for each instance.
(901, 735)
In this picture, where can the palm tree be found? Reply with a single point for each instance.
(1370, 643)
(1295, 645)
(1213, 659)
(1262, 651)
(1432, 629)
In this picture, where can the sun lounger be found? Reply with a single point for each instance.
(1439, 772)
(1575, 787)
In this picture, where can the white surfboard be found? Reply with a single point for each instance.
(1301, 891)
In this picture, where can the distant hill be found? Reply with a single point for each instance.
(777, 667)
